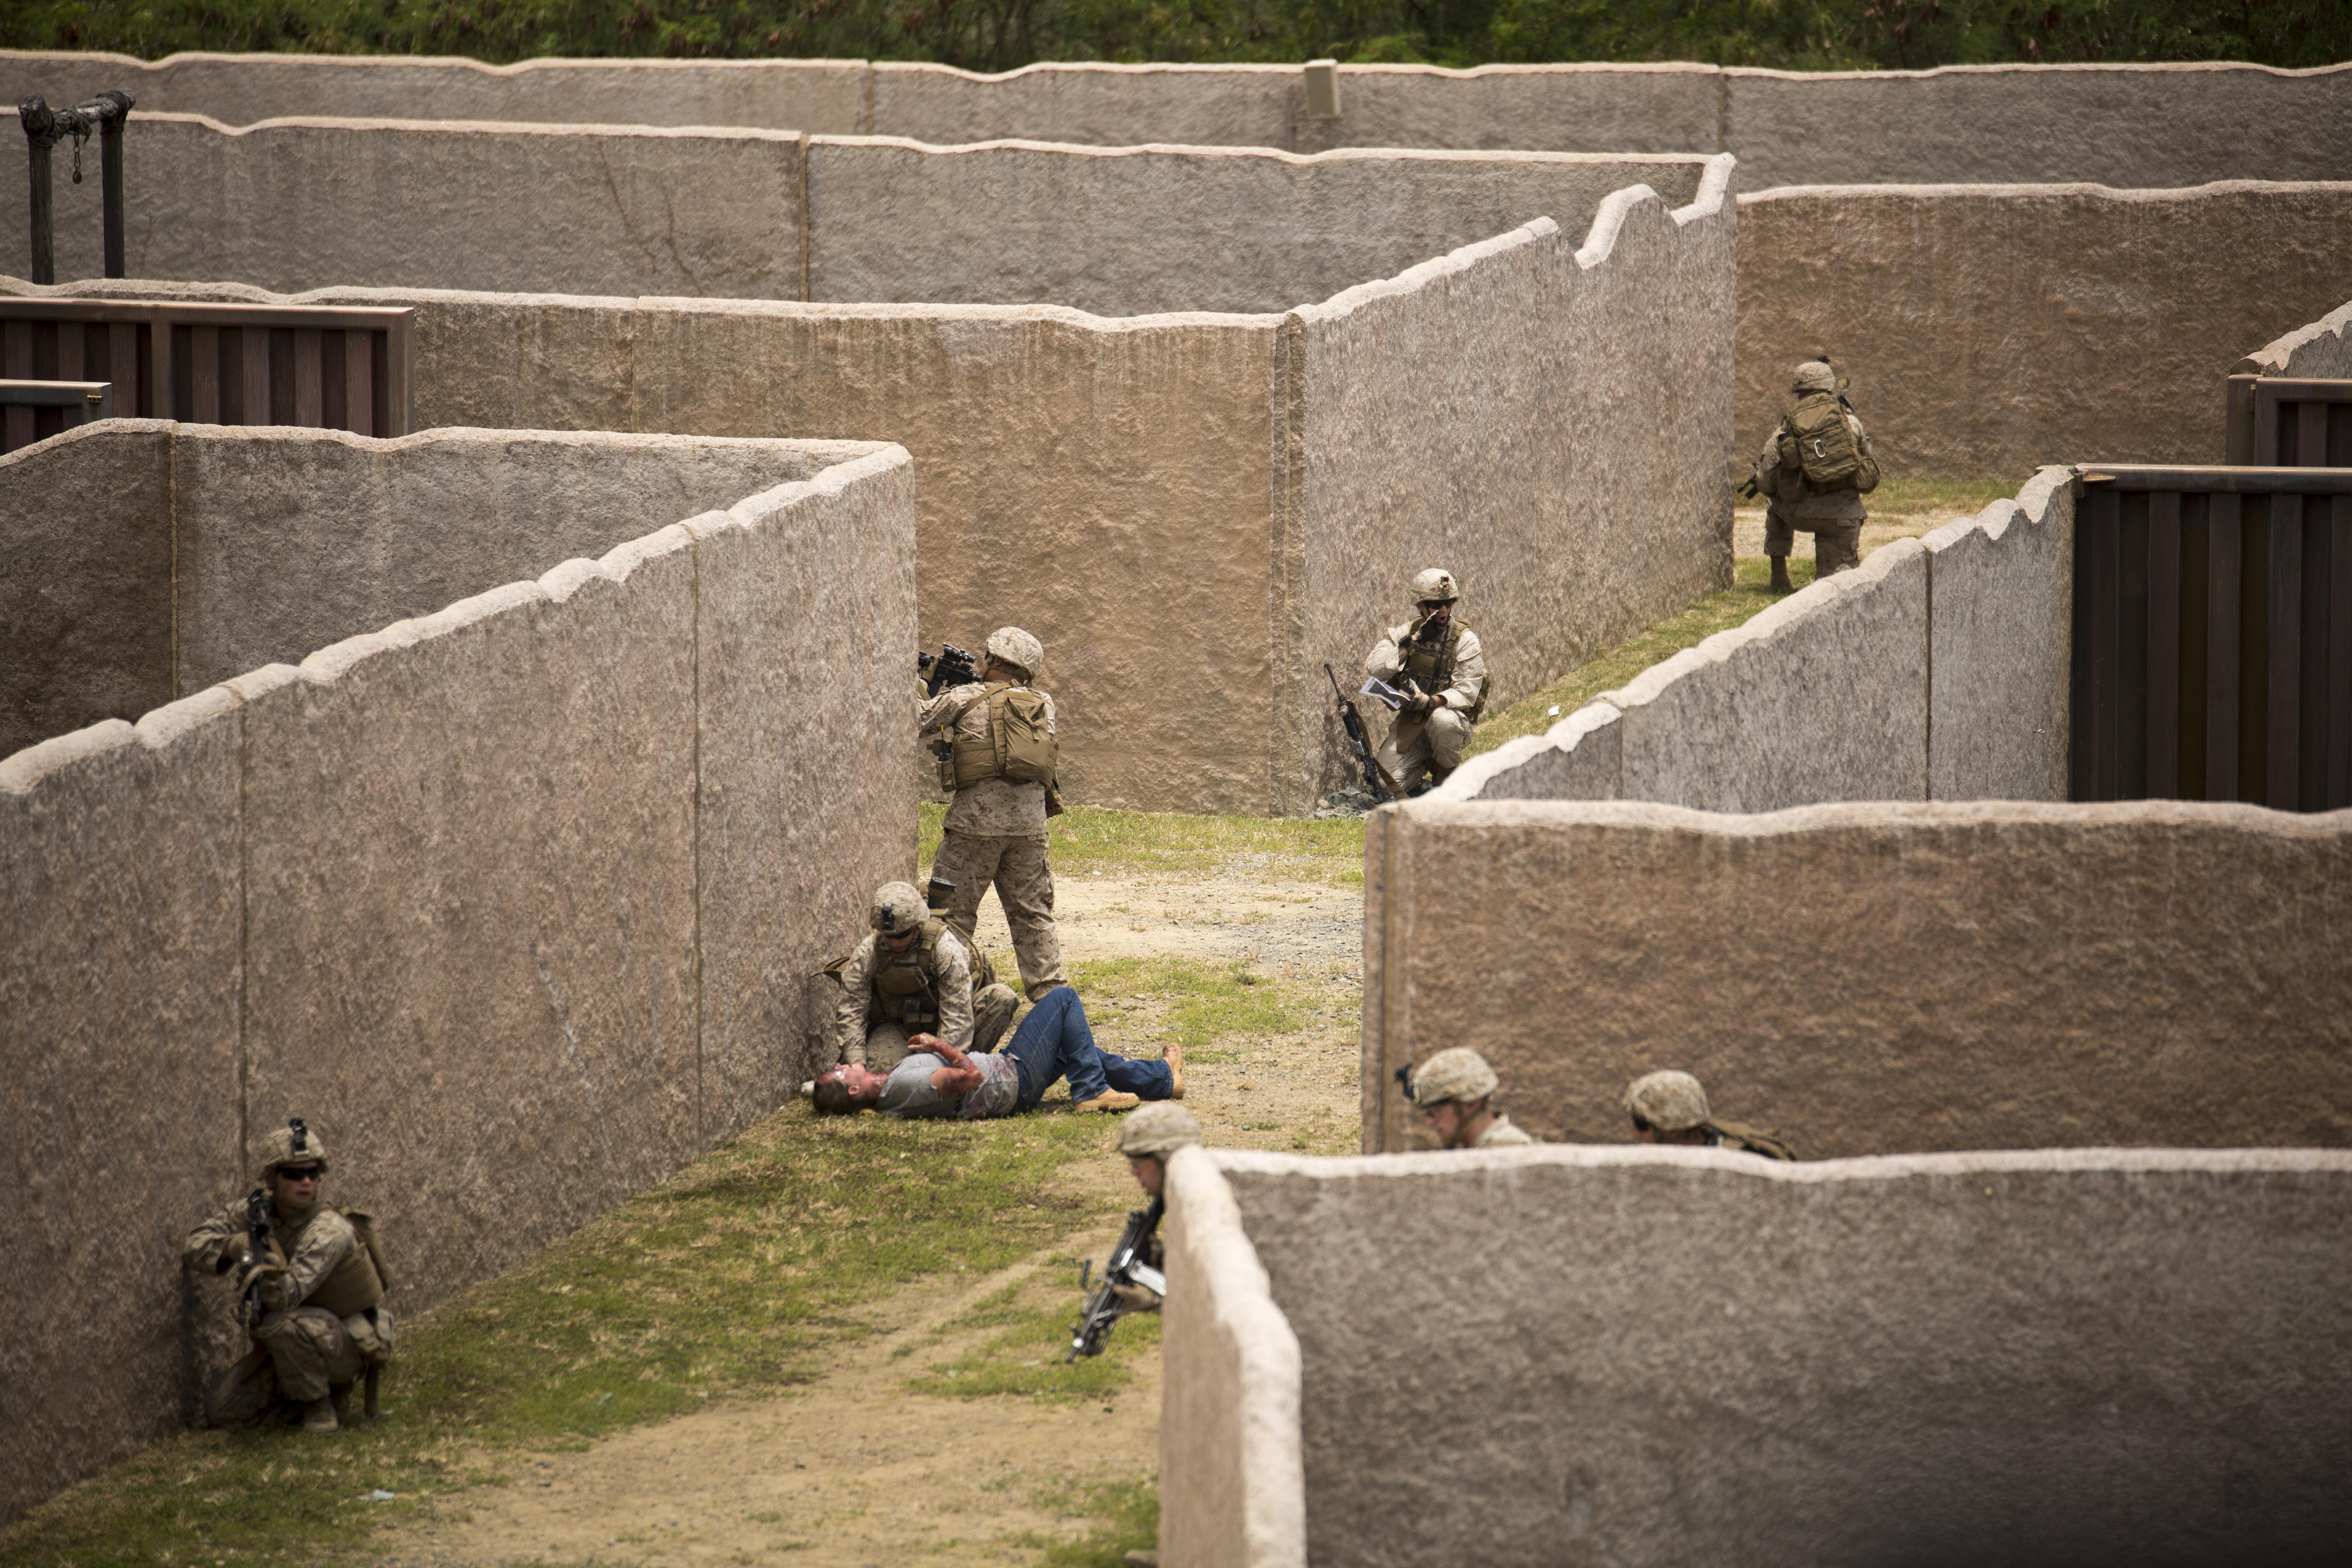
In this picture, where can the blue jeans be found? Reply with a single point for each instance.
(1054, 1042)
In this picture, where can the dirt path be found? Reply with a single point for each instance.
(877, 1463)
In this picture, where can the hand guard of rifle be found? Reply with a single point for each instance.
(1126, 1266)
(951, 665)
(257, 1242)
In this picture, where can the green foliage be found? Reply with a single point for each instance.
(997, 35)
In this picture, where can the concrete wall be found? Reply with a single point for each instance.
(514, 902)
(1875, 978)
(2170, 125)
(1606, 508)
(1990, 329)
(172, 557)
(1675, 1356)
(2320, 351)
(1938, 670)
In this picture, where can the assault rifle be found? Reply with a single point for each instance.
(1126, 1266)
(1376, 778)
(256, 1250)
(951, 665)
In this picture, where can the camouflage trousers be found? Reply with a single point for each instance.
(992, 1008)
(1425, 744)
(298, 1356)
(1837, 546)
(1016, 868)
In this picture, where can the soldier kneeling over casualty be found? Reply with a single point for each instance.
(1051, 1043)
(1670, 1108)
(312, 1282)
(1815, 469)
(915, 975)
(1453, 1090)
(1441, 668)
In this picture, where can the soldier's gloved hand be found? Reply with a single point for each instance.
(264, 1272)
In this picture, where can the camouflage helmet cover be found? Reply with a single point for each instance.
(1017, 647)
(1436, 584)
(897, 908)
(1460, 1073)
(1160, 1128)
(1813, 375)
(278, 1149)
(1669, 1101)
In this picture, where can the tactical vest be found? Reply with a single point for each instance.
(1016, 745)
(905, 986)
(356, 1283)
(1430, 666)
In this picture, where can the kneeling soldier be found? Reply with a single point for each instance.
(1441, 667)
(914, 976)
(1814, 469)
(1147, 1139)
(313, 1292)
(1670, 1108)
(1453, 1089)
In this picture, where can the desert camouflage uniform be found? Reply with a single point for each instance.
(968, 1021)
(302, 1352)
(1432, 740)
(1501, 1135)
(996, 836)
(1834, 517)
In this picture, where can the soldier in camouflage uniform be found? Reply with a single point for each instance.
(321, 1286)
(1147, 1138)
(913, 974)
(1440, 666)
(995, 829)
(1453, 1090)
(1670, 1108)
(1834, 516)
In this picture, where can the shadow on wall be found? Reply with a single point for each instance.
(513, 902)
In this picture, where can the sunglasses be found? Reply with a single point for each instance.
(301, 1172)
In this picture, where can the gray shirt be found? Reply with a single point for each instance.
(909, 1092)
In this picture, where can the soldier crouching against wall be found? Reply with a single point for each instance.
(913, 974)
(1147, 1138)
(1670, 1108)
(1456, 1090)
(1441, 667)
(313, 1294)
(1815, 469)
(998, 757)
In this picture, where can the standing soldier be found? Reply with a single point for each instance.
(1815, 469)
(313, 1292)
(913, 975)
(1453, 1090)
(1440, 666)
(997, 752)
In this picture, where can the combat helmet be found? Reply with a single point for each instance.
(1160, 1128)
(897, 908)
(1670, 1101)
(292, 1145)
(1018, 649)
(1436, 583)
(1813, 375)
(1460, 1073)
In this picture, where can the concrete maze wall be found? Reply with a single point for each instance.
(1670, 1355)
(514, 902)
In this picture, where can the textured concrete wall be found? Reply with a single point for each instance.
(1675, 1356)
(1990, 330)
(118, 1024)
(86, 603)
(310, 203)
(1232, 1477)
(1138, 230)
(2320, 351)
(1603, 504)
(2001, 598)
(1875, 978)
(2168, 124)
(514, 902)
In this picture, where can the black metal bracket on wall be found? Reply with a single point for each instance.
(102, 116)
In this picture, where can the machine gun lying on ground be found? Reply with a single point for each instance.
(951, 665)
(1125, 1268)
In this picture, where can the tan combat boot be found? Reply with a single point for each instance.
(319, 1416)
(1780, 584)
(1174, 1055)
(1112, 1100)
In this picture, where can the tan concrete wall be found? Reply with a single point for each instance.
(1604, 506)
(2168, 124)
(1992, 328)
(1136, 230)
(2320, 351)
(1677, 1356)
(1875, 978)
(1938, 670)
(319, 892)
(86, 603)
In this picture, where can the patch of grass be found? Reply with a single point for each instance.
(1133, 843)
(1908, 495)
(735, 1276)
(1205, 1002)
(1131, 1507)
(1026, 1357)
(1750, 592)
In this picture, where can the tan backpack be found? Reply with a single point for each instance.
(1817, 441)
(1018, 745)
